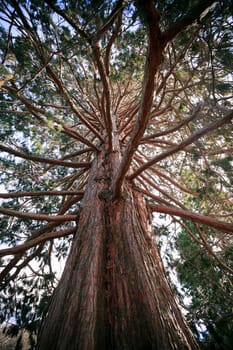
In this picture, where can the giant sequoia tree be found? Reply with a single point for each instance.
(110, 111)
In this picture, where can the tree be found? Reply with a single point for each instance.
(110, 111)
(211, 302)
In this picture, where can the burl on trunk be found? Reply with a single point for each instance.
(113, 293)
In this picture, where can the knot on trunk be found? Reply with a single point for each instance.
(105, 194)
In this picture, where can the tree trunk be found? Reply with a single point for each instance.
(113, 293)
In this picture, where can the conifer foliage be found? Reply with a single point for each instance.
(112, 112)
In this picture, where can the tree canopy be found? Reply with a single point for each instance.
(150, 80)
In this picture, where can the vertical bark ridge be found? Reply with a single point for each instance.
(142, 310)
(78, 300)
(113, 294)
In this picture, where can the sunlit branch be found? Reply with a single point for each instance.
(92, 118)
(73, 133)
(35, 216)
(131, 112)
(160, 143)
(35, 75)
(33, 242)
(67, 204)
(187, 229)
(214, 152)
(181, 146)
(52, 225)
(173, 182)
(164, 79)
(142, 184)
(157, 112)
(187, 214)
(44, 160)
(68, 181)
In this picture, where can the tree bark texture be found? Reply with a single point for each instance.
(113, 293)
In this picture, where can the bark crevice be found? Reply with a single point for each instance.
(114, 293)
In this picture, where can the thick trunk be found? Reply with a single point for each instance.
(113, 293)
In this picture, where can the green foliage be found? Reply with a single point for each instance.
(51, 92)
(207, 285)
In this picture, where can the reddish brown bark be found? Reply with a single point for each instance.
(113, 293)
(188, 214)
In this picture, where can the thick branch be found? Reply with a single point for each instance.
(154, 58)
(192, 138)
(44, 160)
(35, 216)
(106, 92)
(41, 193)
(187, 214)
(33, 242)
(194, 14)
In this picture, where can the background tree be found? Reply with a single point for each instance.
(110, 111)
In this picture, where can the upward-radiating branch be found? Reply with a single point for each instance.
(154, 57)
(181, 146)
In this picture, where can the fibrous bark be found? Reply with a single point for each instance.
(113, 293)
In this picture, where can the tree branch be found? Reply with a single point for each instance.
(192, 138)
(35, 216)
(173, 129)
(33, 242)
(72, 22)
(41, 193)
(110, 19)
(44, 160)
(35, 111)
(106, 92)
(12, 264)
(187, 214)
(194, 14)
(154, 58)
(110, 43)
